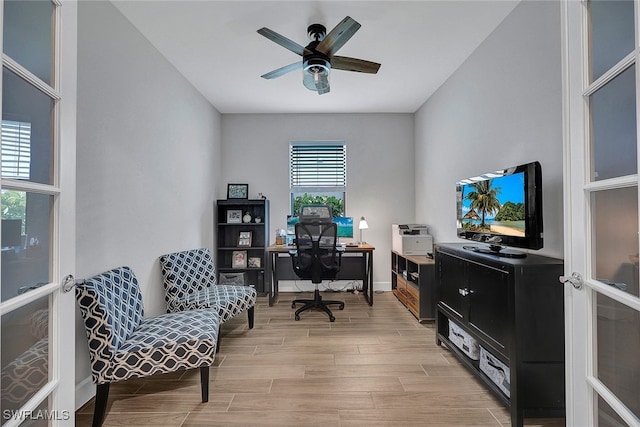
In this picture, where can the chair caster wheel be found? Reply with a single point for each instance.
(293, 305)
(332, 319)
(297, 317)
(341, 307)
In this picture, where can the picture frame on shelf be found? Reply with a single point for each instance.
(237, 191)
(234, 216)
(255, 262)
(244, 238)
(239, 259)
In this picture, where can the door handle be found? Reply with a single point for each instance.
(68, 282)
(575, 279)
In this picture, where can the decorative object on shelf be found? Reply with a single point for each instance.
(234, 216)
(244, 239)
(246, 218)
(237, 191)
(258, 220)
(239, 259)
(255, 262)
(262, 196)
(361, 226)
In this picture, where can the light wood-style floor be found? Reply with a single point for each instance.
(374, 366)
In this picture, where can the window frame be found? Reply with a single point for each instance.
(316, 187)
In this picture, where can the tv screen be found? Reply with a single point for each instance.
(502, 208)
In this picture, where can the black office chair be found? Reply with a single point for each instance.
(317, 256)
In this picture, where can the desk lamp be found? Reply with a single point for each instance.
(363, 224)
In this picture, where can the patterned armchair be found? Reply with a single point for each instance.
(190, 283)
(123, 344)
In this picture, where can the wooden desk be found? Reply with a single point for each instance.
(357, 264)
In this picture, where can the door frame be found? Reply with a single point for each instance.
(60, 388)
(582, 384)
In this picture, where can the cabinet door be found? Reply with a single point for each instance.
(453, 283)
(489, 303)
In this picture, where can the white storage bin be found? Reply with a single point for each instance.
(496, 370)
(464, 341)
(233, 279)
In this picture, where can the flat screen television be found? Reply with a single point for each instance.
(503, 209)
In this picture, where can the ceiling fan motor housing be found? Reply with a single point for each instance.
(316, 32)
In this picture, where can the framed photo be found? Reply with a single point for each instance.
(234, 216)
(239, 259)
(237, 191)
(255, 261)
(244, 239)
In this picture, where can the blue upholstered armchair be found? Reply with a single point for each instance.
(124, 344)
(190, 282)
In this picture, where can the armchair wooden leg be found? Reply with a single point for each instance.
(102, 395)
(250, 314)
(204, 383)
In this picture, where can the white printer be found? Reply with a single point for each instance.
(411, 239)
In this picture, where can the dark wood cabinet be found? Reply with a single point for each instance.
(513, 308)
(413, 283)
(252, 243)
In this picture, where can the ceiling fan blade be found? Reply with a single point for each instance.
(338, 36)
(354, 64)
(284, 42)
(282, 70)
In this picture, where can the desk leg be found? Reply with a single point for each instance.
(273, 278)
(368, 282)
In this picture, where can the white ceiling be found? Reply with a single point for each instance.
(214, 44)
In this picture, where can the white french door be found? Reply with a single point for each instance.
(38, 211)
(601, 79)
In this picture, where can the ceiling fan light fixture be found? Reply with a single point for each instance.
(315, 74)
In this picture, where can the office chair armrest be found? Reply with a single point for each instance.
(340, 250)
(293, 253)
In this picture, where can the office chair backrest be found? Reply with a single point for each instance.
(316, 238)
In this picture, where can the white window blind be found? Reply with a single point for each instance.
(318, 165)
(16, 149)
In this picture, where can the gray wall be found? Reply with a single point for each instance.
(379, 167)
(501, 108)
(142, 190)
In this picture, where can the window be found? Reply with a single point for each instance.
(16, 149)
(318, 174)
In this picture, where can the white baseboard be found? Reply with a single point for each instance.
(85, 391)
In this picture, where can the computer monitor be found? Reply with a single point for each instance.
(345, 226)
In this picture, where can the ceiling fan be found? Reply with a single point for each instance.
(318, 57)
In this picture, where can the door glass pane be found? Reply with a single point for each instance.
(27, 131)
(27, 35)
(26, 230)
(24, 355)
(607, 417)
(615, 238)
(619, 350)
(612, 34)
(613, 128)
